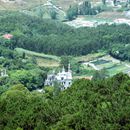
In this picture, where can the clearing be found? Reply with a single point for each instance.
(43, 60)
(112, 65)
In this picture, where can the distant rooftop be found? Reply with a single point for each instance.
(7, 36)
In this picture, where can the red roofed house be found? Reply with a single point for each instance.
(7, 36)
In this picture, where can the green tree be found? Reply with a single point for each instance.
(115, 2)
(65, 60)
(72, 12)
(53, 14)
(104, 2)
(101, 74)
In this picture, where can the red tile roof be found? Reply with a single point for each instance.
(7, 36)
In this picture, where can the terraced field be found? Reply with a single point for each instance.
(112, 65)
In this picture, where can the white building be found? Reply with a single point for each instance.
(8, 1)
(63, 78)
(3, 73)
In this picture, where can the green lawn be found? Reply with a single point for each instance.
(117, 69)
(42, 55)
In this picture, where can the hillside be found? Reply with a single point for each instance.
(41, 8)
(28, 4)
(55, 76)
(93, 105)
(44, 8)
(56, 38)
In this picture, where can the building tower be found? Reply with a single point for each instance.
(63, 78)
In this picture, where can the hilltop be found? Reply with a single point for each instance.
(28, 4)
(38, 7)
(44, 8)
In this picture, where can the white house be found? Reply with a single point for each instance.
(63, 78)
(3, 73)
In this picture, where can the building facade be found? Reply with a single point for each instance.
(63, 78)
(3, 73)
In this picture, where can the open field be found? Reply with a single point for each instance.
(112, 65)
(47, 63)
(25, 4)
(88, 63)
(110, 15)
(43, 60)
(28, 4)
(89, 57)
(107, 17)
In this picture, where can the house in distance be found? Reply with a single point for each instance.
(63, 78)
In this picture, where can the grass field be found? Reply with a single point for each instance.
(18, 6)
(112, 65)
(100, 60)
(111, 15)
(28, 4)
(105, 16)
(42, 59)
(89, 57)
(117, 69)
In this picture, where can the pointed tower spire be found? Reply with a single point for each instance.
(63, 69)
(69, 68)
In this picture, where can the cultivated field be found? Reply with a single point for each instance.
(43, 60)
(89, 57)
(112, 65)
(88, 63)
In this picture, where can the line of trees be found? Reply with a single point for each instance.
(84, 9)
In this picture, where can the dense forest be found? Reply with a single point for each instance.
(87, 105)
(53, 37)
(20, 70)
(100, 104)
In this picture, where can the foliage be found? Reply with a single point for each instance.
(20, 70)
(53, 37)
(86, 9)
(104, 2)
(121, 52)
(101, 74)
(101, 104)
(65, 61)
(53, 14)
(72, 12)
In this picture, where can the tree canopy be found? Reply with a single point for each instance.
(87, 104)
(53, 37)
